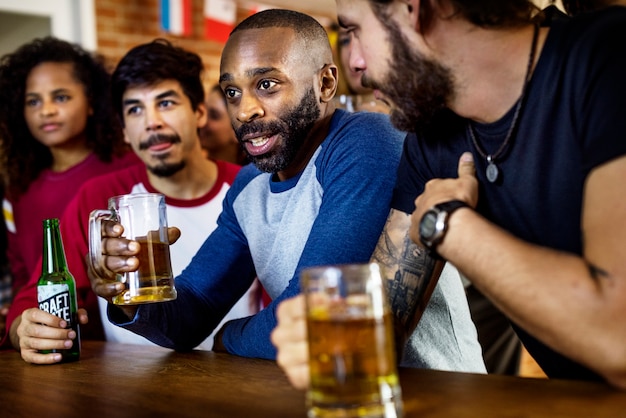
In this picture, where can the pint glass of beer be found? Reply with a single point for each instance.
(351, 344)
(143, 216)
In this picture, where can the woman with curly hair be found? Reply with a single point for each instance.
(57, 129)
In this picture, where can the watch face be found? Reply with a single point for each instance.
(427, 226)
(434, 222)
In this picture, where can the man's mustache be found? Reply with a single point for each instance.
(159, 139)
(368, 83)
(256, 127)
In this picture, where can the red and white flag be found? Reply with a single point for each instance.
(176, 17)
(219, 19)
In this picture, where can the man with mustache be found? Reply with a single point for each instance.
(318, 192)
(159, 96)
(519, 151)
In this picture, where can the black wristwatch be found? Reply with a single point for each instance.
(434, 223)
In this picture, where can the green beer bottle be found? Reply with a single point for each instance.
(56, 288)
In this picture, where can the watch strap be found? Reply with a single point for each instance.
(444, 209)
(450, 206)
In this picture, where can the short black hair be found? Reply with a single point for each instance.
(154, 62)
(309, 31)
(303, 24)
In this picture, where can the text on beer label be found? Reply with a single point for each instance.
(55, 299)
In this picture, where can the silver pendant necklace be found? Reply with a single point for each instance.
(493, 172)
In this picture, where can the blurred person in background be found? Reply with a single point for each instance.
(217, 137)
(359, 97)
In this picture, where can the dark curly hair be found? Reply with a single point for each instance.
(23, 157)
(154, 62)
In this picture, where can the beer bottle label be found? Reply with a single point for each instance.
(55, 299)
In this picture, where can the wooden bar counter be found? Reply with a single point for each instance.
(116, 380)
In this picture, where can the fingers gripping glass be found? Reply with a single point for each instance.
(144, 219)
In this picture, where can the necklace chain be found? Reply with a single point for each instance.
(492, 169)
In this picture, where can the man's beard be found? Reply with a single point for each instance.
(163, 169)
(293, 127)
(418, 87)
(167, 170)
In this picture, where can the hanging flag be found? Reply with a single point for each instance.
(176, 17)
(219, 19)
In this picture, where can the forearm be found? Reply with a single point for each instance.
(411, 274)
(181, 324)
(248, 337)
(551, 294)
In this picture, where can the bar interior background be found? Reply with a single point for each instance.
(112, 27)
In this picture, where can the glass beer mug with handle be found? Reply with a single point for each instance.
(143, 216)
(351, 345)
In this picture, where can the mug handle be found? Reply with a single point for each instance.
(95, 237)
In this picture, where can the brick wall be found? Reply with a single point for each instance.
(123, 24)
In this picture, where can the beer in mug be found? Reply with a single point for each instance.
(351, 345)
(144, 218)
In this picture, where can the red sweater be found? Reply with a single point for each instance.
(47, 197)
(74, 225)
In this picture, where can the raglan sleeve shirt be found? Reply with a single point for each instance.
(356, 169)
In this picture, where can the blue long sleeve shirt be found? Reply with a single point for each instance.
(331, 213)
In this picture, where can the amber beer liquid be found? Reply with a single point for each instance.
(351, 343)
(153, 280)
(144, 219)
(352, 363)
(56, 288)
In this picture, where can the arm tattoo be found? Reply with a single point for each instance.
(410, 271)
